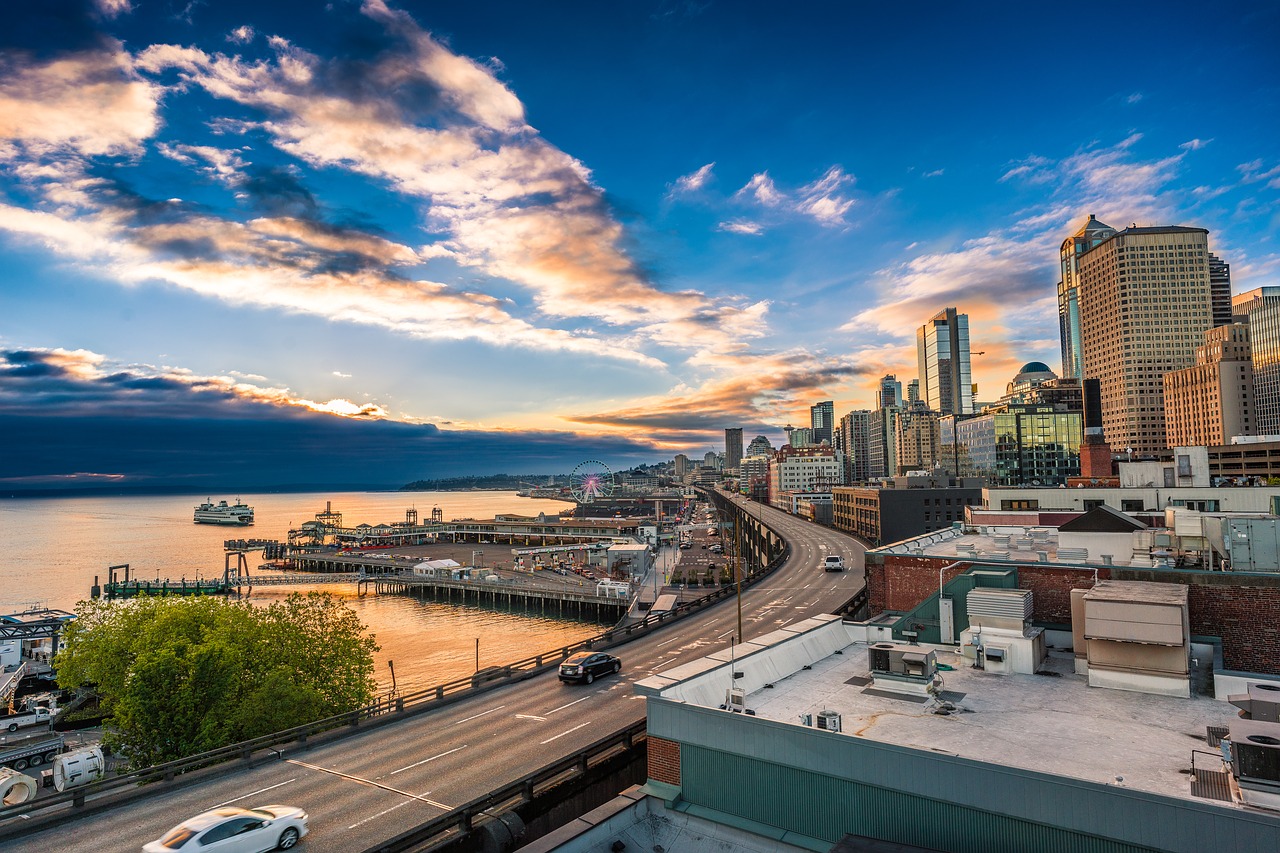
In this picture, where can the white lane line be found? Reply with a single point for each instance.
(531, 717)
(478, 716)
(254, 793)
(570, 705)
(370, 783)
(562, 734)
(425, 760)
(664, 642)
(384, 811)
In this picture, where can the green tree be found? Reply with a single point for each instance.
(184, 675)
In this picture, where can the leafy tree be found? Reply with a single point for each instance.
(181, 675)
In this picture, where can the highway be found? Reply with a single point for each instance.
(375, 785)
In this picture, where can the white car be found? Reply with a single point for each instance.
(234, 830)
(833, 563)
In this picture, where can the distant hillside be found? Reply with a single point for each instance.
(514, 482)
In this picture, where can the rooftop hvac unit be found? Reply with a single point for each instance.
(829, 720)
(878, 657)
(735, 700)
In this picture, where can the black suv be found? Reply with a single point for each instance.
(586, 666)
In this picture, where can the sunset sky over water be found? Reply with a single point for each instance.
(365, 243)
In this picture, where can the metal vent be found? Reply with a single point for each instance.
(829, 720)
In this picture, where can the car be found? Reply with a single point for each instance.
(236, 830)
(587, 666)
(833, 563)
(685, 546)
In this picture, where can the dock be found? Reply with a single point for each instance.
(545, 601)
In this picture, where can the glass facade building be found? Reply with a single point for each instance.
(942, 353)
(1093, 233)
(1017, 446)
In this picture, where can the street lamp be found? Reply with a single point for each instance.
(737, 564)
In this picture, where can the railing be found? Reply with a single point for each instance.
(460, 820)
(386, 709)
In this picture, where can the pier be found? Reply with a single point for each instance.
(545, 601)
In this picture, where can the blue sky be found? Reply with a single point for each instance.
(591, 229)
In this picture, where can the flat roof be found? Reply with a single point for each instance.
(1053, 723)
(1146, 592)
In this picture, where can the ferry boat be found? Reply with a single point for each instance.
(224, 513)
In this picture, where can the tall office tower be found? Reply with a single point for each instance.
(759, 446)
(822, 418)
(801, 437)
(712, 460)
(852, 436)
(889, 393)
(917, 440)
(1220, 290)
(882, 442)
(1144, 308)
(1211, 401)
(1093, 233)
(913, 392)
(681, 465)
(1262, 307)
(942, 351)
(732, 448)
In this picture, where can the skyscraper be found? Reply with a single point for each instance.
(913, 392)
(822, 420)
(942, 351)
(889, 393)
(852, 438)
(1144, 308)
(1220, 290)
(1211, 401)
(759, 446)
(732, 447)
(1093, 233)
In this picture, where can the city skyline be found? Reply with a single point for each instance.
(399, 241)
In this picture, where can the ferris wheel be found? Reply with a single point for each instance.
(590, 481)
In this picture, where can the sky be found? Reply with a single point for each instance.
(273, 244)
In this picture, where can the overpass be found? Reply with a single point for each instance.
(387, 779)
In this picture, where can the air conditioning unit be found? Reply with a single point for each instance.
(829, 720)
(735, 700)
(806, 719)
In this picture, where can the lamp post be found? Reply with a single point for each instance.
(737, 563)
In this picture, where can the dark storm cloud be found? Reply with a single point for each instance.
(278, 192)
(73, 424)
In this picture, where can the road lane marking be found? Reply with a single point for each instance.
(381, 813)
(570, 705)
(478, 716)
(425, 760)
(664, 642)
(254, 793)
(372, 784)
(562, 734)
(530, 717)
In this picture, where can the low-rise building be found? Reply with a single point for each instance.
(902, 507)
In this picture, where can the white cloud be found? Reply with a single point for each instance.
(741, 226)
(1134, 98)
(823, 200)
(1195, 144)
(341, 375)
(761, 188)
(934, 174)
(692, 182)
(241, 35)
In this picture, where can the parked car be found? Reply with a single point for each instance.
(685, 546)
(233, 830)
(587, 666)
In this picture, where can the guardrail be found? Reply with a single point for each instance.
(461, 819)
(386, 709)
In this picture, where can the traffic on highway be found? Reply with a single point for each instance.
(379, 783)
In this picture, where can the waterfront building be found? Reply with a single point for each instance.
(916, 445)
(889, 393)
(822, 418)
(759, 446)
(732, 448)
(1211, 401)
(904, 506)
(853, 440)
(1093, 233)
(1144, 304)
(1262, 308)
(942, 353)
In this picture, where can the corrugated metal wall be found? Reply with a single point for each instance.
(828, 808)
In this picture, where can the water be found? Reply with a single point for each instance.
(51, 549)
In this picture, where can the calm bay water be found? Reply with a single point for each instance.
(51, 549)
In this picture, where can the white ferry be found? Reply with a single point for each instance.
(224, 513)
